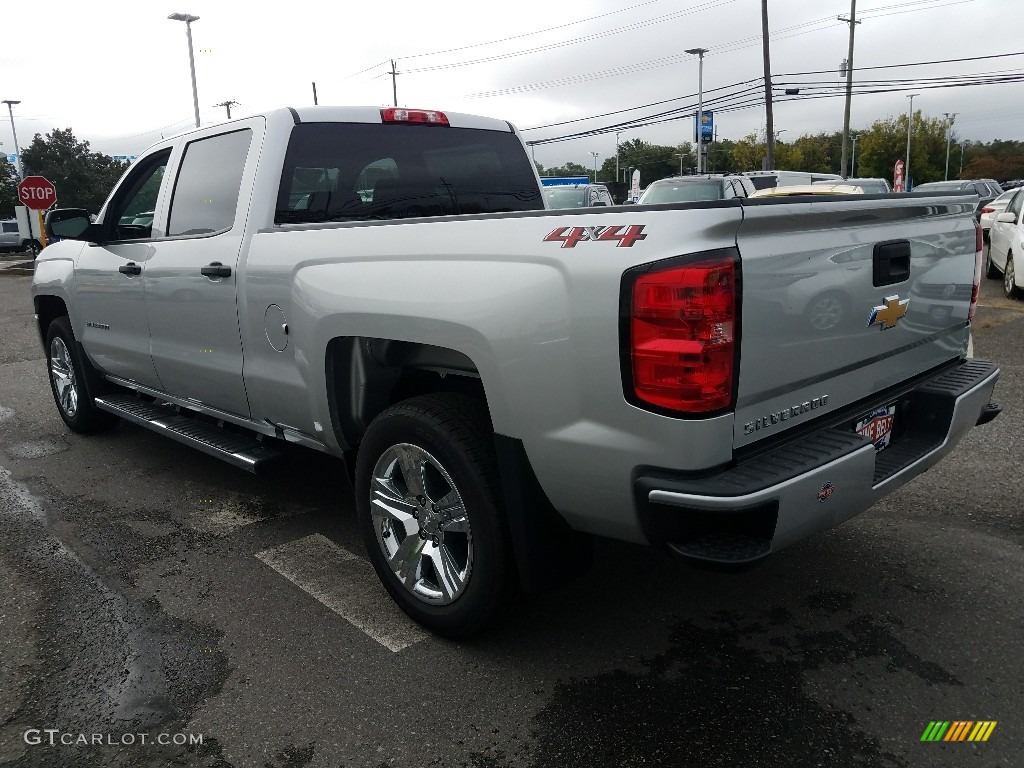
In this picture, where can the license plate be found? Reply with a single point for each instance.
(877, 426)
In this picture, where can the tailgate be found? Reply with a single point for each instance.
(831, 317)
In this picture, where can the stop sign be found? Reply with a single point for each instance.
(37, 193)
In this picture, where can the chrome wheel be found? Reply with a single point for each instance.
(62, 372)
(421, 525)
(826, 312)
(1009, 286)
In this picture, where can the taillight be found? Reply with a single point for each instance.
(979, 244)
(682, 336)
(401, 115)
(987, 209)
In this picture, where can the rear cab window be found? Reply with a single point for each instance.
(367, 171)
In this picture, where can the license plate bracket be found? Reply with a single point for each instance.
(876, 426)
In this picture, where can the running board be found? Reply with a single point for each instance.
(243, 451)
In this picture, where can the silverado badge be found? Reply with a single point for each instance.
(888, 314)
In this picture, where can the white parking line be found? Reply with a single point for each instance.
(345, 583)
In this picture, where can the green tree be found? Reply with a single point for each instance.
(8, 188)
(885, 142)
(82, 178)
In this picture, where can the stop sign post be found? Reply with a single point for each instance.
(38, 194)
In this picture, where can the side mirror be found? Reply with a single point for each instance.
(70, 224)
(1007, 218)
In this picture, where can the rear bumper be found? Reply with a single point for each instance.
(814, 482)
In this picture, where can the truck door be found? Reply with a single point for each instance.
(109, 297)
(191, 281)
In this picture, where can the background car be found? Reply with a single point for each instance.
(988, 212)
(694, 189)
(1006, 246)
(986, 189)
(577, 196)
(867, 186)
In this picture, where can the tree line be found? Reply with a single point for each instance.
(877, 150)
(83, 178)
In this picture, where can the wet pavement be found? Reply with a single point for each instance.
(136, 600)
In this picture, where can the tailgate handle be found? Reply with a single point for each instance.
(891, 262)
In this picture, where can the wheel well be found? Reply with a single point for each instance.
(48, 309)
(366, 375)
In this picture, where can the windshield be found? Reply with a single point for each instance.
(567, 197)
(681, 192)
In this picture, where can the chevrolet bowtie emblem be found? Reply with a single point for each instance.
(889, 313)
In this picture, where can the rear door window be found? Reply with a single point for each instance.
(359, 172)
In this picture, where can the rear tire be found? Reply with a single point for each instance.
(991, 271)
(1010, 279)
(428, 499)
(72, 379)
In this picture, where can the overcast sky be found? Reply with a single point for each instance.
(117, 72)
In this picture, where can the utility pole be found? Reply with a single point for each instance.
(950, 117)
(315, 102)
(394, 82)
(962, 147)
(616, 155)
(769, 118)
(852, 21)
(910, 123)
(227, 105)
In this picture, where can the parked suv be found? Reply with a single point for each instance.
(578, 196)
(986, 189)
(692, 189)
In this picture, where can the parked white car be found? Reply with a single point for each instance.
(988, 212)
(1006, 245)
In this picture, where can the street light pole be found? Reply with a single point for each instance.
(962, 147)
(188, 19)
(950, 117)
(699, 52)
(17, 152)
(910, 123)
(853, 156)
(595, 154)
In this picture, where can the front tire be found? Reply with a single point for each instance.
(429, 510)
(1010, 279)
(72, 379)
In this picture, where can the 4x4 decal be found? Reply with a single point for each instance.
(623, 236)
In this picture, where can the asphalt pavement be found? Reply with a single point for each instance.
(150, 593)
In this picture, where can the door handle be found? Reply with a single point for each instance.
(131, 268)
(215, 269)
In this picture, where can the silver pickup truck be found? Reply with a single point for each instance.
(504, 382)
